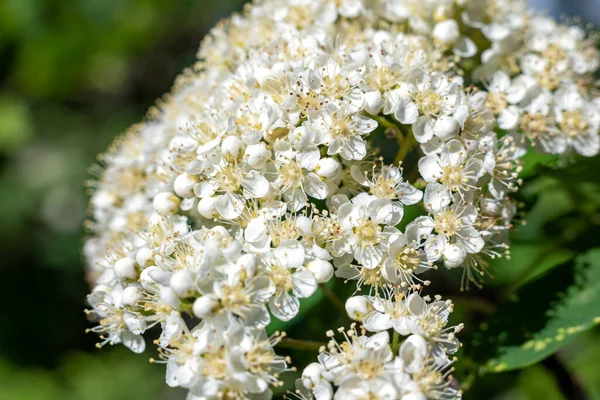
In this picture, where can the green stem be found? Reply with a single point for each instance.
(298, 344)
(387, 124)
(407, 143)
(332, 297)
(402, 133)
(395, 343)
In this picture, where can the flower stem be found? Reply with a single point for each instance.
(298, 344)
(387, 124)
(407, 142)
(396, 343)
(332, 297)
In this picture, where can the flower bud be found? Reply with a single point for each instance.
(357, 307)
(206, 208)
(103, 199)
(131, 295)
(447, 32)
(327, 168)
(204, 306)
(311, 375)
(373, 102)
(166, 203)
(322, 270)
(232, 146)
(125, 269)
(184, 184)
(454, 256)
(143, 255)
(182, 282)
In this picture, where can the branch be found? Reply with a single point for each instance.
(297, 344)
(332, 297)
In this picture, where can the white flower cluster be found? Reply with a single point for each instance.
(265, 173)
(370, 367)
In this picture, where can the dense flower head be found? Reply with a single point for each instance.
(288, 156)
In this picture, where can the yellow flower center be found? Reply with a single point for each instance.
(291, 174)
(573, 123)
(383, 188)
(229, 178)
(453, 177)
(408, 259)
(447, 223)
(215, 364)
(429, 102)
(282, 279)
(368, 232)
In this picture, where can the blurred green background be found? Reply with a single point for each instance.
(73, 75)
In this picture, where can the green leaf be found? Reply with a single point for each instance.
(552, 201)
(16, 124)
(535, 382)
(527, 262)
(582, 361)
(533, 161)
(543, 318)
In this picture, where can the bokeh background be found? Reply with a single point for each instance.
(76, 73)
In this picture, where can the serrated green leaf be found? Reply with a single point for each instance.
(574, 310)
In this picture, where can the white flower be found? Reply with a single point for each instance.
(363, 389)
(291, 279)
(241, 297)
(503, 166)
(295, 174)
(359, 358)
(441, 105)
(538, 125)
(406, 257)
(388, 184)
(454, 167)
(449, 223)
(262, 171)
(447, 33)
(503, 98)
(118, 327)
(232, 186)
(363, 234)
(413, 315)
(254, 363)
(578, 120)
(430, 378)
(341, 131)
